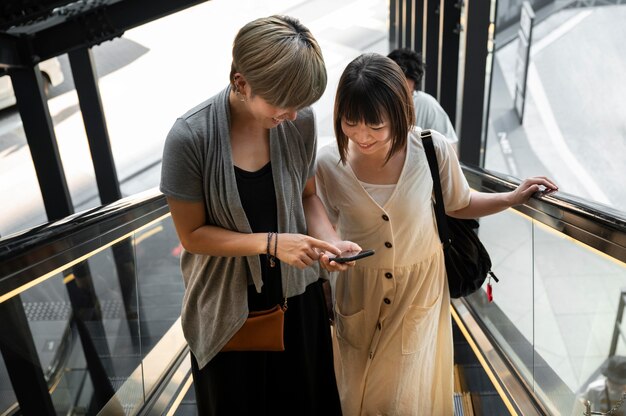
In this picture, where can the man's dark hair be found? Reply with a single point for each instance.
(411, 64)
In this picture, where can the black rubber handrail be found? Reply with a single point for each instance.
(31, 253)
(596, 225)
(27, 255)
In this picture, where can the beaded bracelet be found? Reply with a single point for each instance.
(267, 249)
(272, 263)
(271, 259)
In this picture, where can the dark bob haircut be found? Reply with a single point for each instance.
(372, 89)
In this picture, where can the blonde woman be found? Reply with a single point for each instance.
(238, 173)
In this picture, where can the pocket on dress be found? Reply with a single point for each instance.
(351, 328)
(419, 326)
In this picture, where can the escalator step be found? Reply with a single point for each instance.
(463, 354)
(61, 310)
(187, 406)
(463, 405)
(457, 335)
(186, 409)
(476, 380)
(488, 403)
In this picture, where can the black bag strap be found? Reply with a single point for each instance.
(440, 212)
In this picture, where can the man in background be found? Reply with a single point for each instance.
(428, 112)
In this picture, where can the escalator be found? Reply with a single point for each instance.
(90, 309)
(90, 304)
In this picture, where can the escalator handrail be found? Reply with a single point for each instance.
(600, 227)
(594, 224)
(27, 255)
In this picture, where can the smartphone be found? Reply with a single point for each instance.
(347, 256)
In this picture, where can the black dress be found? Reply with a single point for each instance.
(297, 381)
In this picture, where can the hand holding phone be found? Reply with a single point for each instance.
(348, 256)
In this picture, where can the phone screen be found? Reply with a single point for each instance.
(347, 256)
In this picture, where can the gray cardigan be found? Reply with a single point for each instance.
(198, 166)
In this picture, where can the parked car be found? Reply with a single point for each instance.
(52, 76)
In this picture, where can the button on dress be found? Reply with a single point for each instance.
(393, 326)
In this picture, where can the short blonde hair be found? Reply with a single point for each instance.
(373, 87)
(281, 60)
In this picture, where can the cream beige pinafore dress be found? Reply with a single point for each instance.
(393, 326)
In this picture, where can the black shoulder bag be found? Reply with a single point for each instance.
(467, 262)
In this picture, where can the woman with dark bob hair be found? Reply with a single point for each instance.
(394, 334)
(238, 173)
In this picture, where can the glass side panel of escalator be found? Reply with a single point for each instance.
(93, 324)
(557, 310)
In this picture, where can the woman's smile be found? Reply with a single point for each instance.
(366, 145)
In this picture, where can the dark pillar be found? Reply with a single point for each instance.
(401, 23)
(85, 80)
(33, 108)
(88, 319)
(408, 24)
(394, 23)
(125, 264)
(21, 360)
(418, 21)
(473, 115)
(431, 46)
(450, 57)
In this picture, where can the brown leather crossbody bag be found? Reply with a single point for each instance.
(262, 331)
